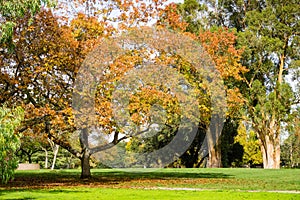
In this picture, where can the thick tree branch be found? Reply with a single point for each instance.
(32, 121)
(61, 143)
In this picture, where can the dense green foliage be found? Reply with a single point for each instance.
(9, 141)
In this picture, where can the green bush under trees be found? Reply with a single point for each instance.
(9, 141)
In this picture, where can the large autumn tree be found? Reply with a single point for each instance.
(38, 74)
(42, 68)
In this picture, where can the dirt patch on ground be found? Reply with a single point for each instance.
(40, 182)
(186, 184)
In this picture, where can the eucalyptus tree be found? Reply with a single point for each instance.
(269, 34)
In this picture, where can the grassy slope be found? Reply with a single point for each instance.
(120, 184)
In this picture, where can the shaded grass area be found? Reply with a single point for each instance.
(239, 179)
(135, 183)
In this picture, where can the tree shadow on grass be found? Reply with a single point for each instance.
(159, 175)
(57, 191)
(105, 178)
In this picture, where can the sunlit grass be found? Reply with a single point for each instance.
(125, 194)
(155, 184)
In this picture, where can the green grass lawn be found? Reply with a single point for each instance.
(158, 184)
(120, 194)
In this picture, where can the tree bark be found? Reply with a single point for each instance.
(213, 141)
(46, 157)
(85, 165)
(85, 158)
(271, 152)
(29, 158)
(214, 157)
(55, 151)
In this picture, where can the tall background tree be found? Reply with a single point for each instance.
(268, 31)
(271, 41)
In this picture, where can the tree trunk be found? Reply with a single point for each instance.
(29, 158)
(85, 159)
(271, 153)
(85, 165)
(214, 143)
(214, 157)
(46, 157)
(55, 151)
(270, 147)
(270, 139)
(291, 155)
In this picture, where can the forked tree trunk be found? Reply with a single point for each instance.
(270, 147)
(85, 165)
(55, 148)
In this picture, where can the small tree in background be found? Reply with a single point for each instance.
(9, 141)
(291, 145)
(248, 139)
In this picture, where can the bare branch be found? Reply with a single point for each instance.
(115, 141)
